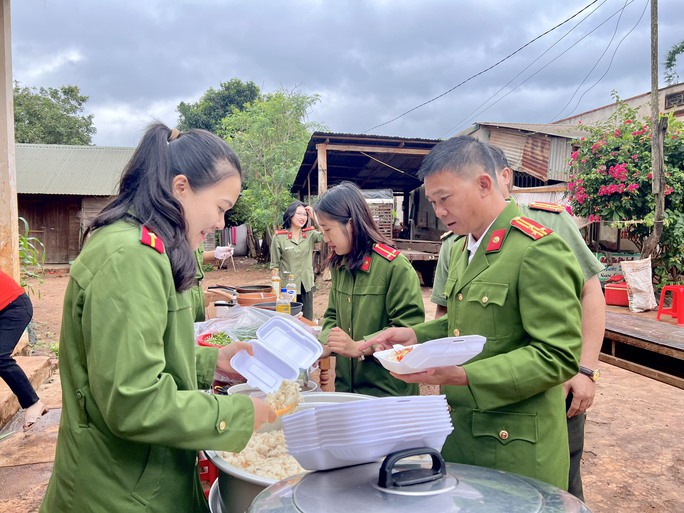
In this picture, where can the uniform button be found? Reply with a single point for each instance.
(485, 299)
(222, 425)
(456, 333)
(496, 239)
(503, 434)
(460, 296)
(348, 300)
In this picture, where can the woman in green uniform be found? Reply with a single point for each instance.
(292, 250)
(373, 286)
(133, 418)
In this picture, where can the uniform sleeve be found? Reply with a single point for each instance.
(551, 316)
(330, 315)
(205, 364)
(316, 236)
(568, 231)
(275, 252)
(127, 312)
(404, 298)
(441, 273)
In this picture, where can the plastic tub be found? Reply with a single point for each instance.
(295, 307)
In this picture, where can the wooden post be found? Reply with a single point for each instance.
(322, 187)
(9, 217)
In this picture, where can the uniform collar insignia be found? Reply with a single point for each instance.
(496, 240)
(365, 265)
(148, 238)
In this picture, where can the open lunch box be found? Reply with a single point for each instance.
(441, 352)
(281, 348)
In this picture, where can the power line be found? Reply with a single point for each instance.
(617, 26)
(612, 57)
(483, 71)
(552, 61)
(476, 109)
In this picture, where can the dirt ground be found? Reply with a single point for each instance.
(634, 454)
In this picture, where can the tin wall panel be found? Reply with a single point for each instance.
(535, 156)
(512, 143)
(559, 158)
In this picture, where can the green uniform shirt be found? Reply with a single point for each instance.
(197, 292)
(364, 302)
(295, 256)
(133, 418)
(523, 295)
(559, 222)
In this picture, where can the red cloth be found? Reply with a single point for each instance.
(9, 290)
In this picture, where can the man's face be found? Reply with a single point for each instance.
(455, 199)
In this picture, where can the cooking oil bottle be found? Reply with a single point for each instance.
(283, 303)
(275, 282)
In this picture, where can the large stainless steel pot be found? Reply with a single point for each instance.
(395, 486)
(238, 488)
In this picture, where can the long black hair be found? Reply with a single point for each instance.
(146, 194)
(290, 212)
(343, 203)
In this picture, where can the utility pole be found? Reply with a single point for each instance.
(658, 129)
(9, 220)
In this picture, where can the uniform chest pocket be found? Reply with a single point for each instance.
(488, 293)
(448, 288)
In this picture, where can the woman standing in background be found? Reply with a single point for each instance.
(292, 252)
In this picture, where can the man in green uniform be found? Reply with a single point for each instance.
(385, 291)
(581, 388)
(291, 252)
(518, 284)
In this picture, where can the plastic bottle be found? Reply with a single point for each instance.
(275, 282)
(283, 303)
(291, 288)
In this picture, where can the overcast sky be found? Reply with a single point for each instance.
(369, 60)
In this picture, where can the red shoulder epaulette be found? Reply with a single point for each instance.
(308, 229)
(547, 207)
(150, 239)
(445, 235)
(530, 227)
(281, 232)
(385, 251)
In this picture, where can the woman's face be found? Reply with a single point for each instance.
(300, 217)
(337, 235)
(204, 210)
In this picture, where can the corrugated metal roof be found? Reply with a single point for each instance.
(73, 170)
(559, 130)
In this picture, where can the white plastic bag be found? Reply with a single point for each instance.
(639, 278)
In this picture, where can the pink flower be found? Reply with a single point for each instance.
(628, 121)
(568, 209)
(668, 190)
(635, 157)
(574, 155)
(632, 187)
(594, 218)
(649, 176)
(617, 133)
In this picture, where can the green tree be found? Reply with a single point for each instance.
(611, 182)
(270, 136)
(671, 75)
(51, 116)
(216, 104)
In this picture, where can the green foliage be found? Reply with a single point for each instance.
(51, 116)
(216, 104)
(55, 349)
(671, 75)
(270, 136)
(31, 256)
(239, 214)
(611, 182)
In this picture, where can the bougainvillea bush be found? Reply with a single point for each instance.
(611, 181)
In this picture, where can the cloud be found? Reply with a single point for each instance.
(370, 61)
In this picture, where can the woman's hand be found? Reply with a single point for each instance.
(263, 413)
(228, 351)
(310, 212)
(341, 343)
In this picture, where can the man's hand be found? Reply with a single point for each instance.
(583, 391)
(453, 375)
(222, 252)
(227, 352)
(341, 343)
(388, 338)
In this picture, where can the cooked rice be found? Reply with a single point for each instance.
(266, 456)
(288, 393)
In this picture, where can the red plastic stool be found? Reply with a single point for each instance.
(208, 471)
(676, 311)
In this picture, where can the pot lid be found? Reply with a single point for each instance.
(462, 488)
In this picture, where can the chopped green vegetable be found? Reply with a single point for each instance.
(219, 339)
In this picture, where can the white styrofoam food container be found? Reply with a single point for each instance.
(441, 352)
(282, 348)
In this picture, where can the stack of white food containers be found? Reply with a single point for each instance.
(339, 435)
